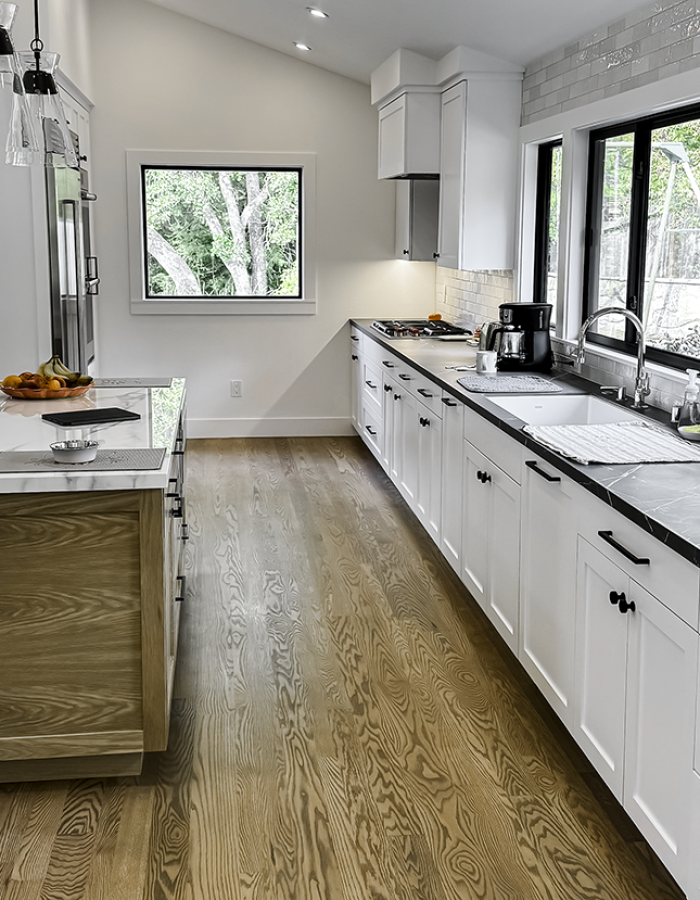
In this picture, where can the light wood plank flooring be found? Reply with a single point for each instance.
(348, 726)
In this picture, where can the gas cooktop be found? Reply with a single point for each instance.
(430, 328)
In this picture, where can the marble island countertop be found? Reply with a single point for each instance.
(23, 431)
(662, 498)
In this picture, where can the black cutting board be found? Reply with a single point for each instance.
(78, 417)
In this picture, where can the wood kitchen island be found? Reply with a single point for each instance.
(92, 572)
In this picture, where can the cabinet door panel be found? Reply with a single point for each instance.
(662, 674)
(503, 596)
(429, 496)
(601, 665)
(452, 480)
(475, 524)
(548, 587)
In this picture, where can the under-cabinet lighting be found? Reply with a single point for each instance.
(300, 46)
(319, 13)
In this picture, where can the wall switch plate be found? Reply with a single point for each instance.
(236, 389)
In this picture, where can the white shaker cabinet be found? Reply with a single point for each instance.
(636, 676)
(417, 219)
(429, 495)
(478, 174)
(491, 541)
(547, 619)
(452, 480)
(409, 135)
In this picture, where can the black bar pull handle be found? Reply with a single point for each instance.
(424, 393)
(181, 585)
(448, 402)
(532, 464)
(389, 365)
(609, 539)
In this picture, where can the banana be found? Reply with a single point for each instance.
(63, 371)
(45, 369)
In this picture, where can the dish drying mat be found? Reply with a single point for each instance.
(614, 443)
(508, 384)
(135, 458)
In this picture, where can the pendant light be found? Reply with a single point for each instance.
(38, 67)
(22, 145)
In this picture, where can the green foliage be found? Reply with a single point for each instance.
(182, 205)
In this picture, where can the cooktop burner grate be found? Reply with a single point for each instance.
(417, 328)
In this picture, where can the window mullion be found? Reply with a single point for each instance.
(638, 228)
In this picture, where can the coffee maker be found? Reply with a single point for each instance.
(520, 337)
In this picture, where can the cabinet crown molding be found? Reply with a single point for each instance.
(406, 70)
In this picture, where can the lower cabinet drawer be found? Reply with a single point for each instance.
(653, 565)
(371, 429)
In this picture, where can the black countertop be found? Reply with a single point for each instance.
(661, 498)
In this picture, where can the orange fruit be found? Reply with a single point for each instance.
(11, 381)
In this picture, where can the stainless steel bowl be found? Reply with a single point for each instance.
(74, 451)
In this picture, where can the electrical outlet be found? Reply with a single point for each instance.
(236, 389)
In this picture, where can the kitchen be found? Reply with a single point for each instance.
(287, 105)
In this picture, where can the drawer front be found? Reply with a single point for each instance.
(493, 443)
(413, 382)
(658, 569)
(428, 393)
(372, 386)
(372, 431)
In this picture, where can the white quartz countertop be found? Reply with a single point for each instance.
(22, 429)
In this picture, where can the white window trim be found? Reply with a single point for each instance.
(574, 127)
(135, 159)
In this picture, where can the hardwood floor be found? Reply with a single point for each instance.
(347, 724)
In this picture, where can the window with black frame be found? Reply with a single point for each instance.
(222, 232)
(547, 211)
(643, 235)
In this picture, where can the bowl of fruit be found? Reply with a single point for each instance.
(51, 380)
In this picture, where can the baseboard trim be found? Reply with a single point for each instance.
(302, 427)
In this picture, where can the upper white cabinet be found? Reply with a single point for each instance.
(458, 117)
(417, 219)
(478, 174)
(409, 136)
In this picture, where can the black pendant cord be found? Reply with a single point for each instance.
(37, 45)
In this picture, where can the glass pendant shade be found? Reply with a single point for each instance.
(22, 146)
(46, 108)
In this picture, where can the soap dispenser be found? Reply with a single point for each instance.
(689, 417)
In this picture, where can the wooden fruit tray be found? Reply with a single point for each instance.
(45, 393)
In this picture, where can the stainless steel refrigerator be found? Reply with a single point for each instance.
(72, 267)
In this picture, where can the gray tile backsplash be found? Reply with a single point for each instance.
(661, 40)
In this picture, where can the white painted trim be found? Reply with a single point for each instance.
(140, 306)
(340, 426)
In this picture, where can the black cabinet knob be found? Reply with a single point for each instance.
(397, 396)
(615, 597)
(424, 421)
(387, 388)
(354, 356)
(483, 477)
(626, 606)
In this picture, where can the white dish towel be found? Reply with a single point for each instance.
(615, 443)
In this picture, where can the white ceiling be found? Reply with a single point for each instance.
(360, 34)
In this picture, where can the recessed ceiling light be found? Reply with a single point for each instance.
(319, 13)
(300, 46)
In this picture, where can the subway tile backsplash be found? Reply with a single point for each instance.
(661, 40)
(472, 298)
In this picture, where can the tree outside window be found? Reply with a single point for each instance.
(222, 232)
(643, 248)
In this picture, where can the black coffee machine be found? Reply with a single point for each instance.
(520, 337)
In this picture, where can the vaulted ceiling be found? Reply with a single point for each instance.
(359, 35)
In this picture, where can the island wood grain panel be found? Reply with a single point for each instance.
(347, 723)
(70, 655)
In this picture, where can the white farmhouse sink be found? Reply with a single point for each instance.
(563, 409)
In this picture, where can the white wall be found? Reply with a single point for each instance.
(162, 81)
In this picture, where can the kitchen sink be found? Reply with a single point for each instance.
(563, 409)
